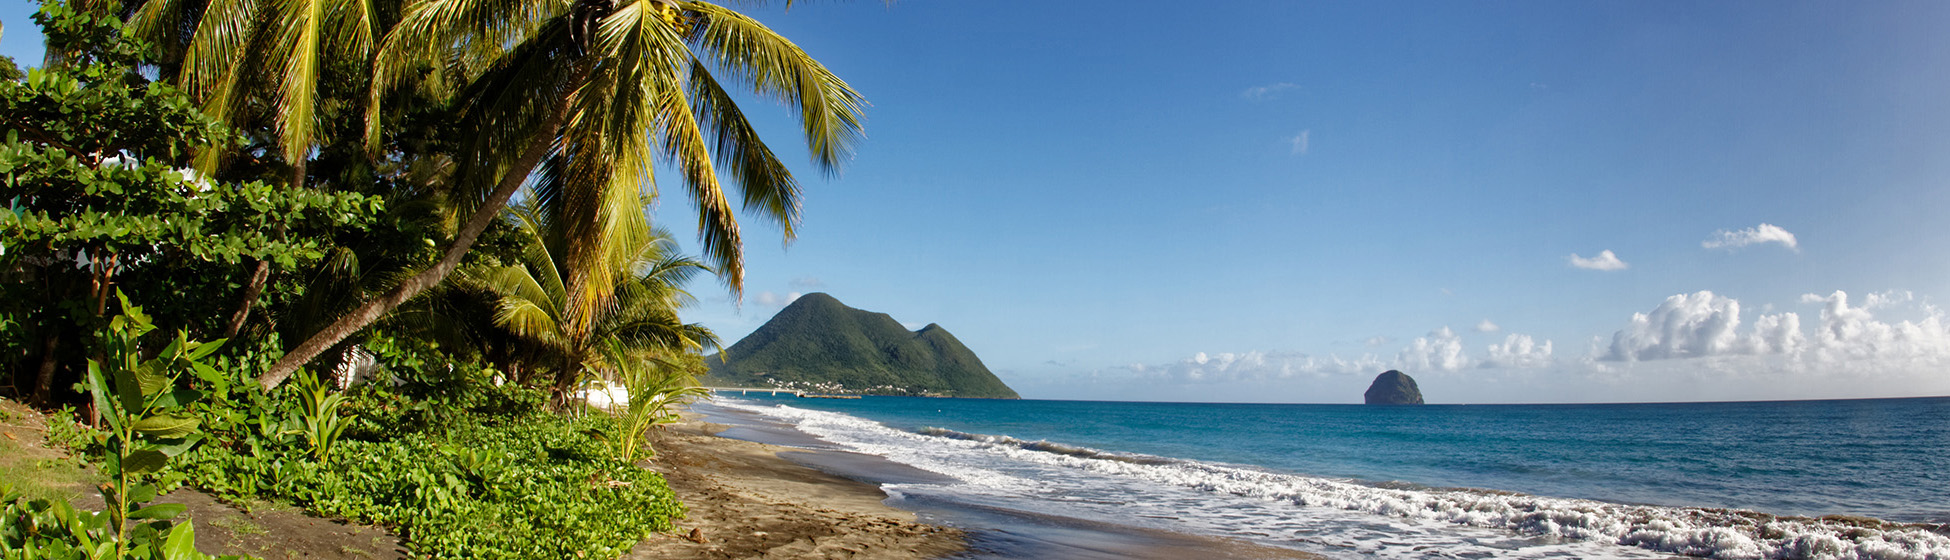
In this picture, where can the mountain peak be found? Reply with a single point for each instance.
(819, 343)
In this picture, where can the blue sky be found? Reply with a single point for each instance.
(1274, 201)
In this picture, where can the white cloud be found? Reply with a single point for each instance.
(1440, 350)
(1378, 340)
(1487, 327)
(1269, 91)
(1684, 326)
(1301, 142)
(1853, 333)
(1604, 261)
(770, 299)
(1519, 351)
(1704, 325)
(1764, 233)
(1257, 366)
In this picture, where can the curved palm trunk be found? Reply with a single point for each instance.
(490, 209)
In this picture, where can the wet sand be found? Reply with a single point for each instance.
(774, 492)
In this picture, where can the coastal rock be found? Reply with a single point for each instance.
(1393, 387)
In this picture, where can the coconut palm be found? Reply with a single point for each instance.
(637, 321)
(604, 89)
(235, 55)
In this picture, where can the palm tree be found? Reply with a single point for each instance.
(603, 89)
(638, 320)
(232, 53)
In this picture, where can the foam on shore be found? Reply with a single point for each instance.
(1337, 515)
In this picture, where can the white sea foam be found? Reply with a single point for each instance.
(1343, 516)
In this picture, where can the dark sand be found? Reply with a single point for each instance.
(816, 472)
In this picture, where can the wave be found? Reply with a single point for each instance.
(1702, 532)
(1047, 446)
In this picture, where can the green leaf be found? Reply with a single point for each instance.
(144, 460)
(129, 391)
(166, 426)
(158, 511)
(175, 448)
(181, 544)
(142, 493)
(97, 388)
(179, 398)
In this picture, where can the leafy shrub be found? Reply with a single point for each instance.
(544, 487)
(53, 529)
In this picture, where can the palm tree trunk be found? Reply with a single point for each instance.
(490, 209)
(251, 291)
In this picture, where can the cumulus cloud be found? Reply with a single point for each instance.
(1704, 325)
(1301, 142)
(770, 299)
(1257, 366)
(1441, 350)
(1518, 351)
(1269, 91)
(1764, 233)
(1684, 326)
(1378, 340)
(1853, 333)
(1487, 327)
(1604, 261)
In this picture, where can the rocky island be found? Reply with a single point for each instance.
(1393, 387)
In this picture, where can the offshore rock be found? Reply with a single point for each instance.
(1393, 387)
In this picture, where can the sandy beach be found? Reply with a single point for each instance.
(747, 502)
(748, 499)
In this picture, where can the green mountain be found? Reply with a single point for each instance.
(821, 345)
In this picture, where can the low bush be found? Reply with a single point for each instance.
(533, 485)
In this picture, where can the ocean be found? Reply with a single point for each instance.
(1803, 479)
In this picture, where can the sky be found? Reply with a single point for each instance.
(1275, 201)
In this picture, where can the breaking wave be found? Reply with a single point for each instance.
(1265, 505)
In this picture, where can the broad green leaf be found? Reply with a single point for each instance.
(144, 460)
(98, 390)
(142, 493)
(158, 511)
(182, 543)
(175, 448)
(166, 426)
(179, 398)
(127, 390)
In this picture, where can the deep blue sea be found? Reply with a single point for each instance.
(1439, 481)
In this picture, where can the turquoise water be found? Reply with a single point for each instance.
(1306, 475)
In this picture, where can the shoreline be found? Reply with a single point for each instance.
(755, 489)
(745, 501)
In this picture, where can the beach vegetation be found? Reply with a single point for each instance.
(633, 320)
(298, 182)
(600, 92)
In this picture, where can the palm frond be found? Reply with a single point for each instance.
(829, 109)
(767, 185)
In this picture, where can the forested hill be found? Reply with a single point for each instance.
(820, 344)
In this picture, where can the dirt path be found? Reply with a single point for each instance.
(267, 531)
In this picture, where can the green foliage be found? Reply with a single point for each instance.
(321, 421)
(820, 343)
(97, 195)
(65, 432)
(54, 530)
(147, 417)
(655, 387)
(538, 487)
